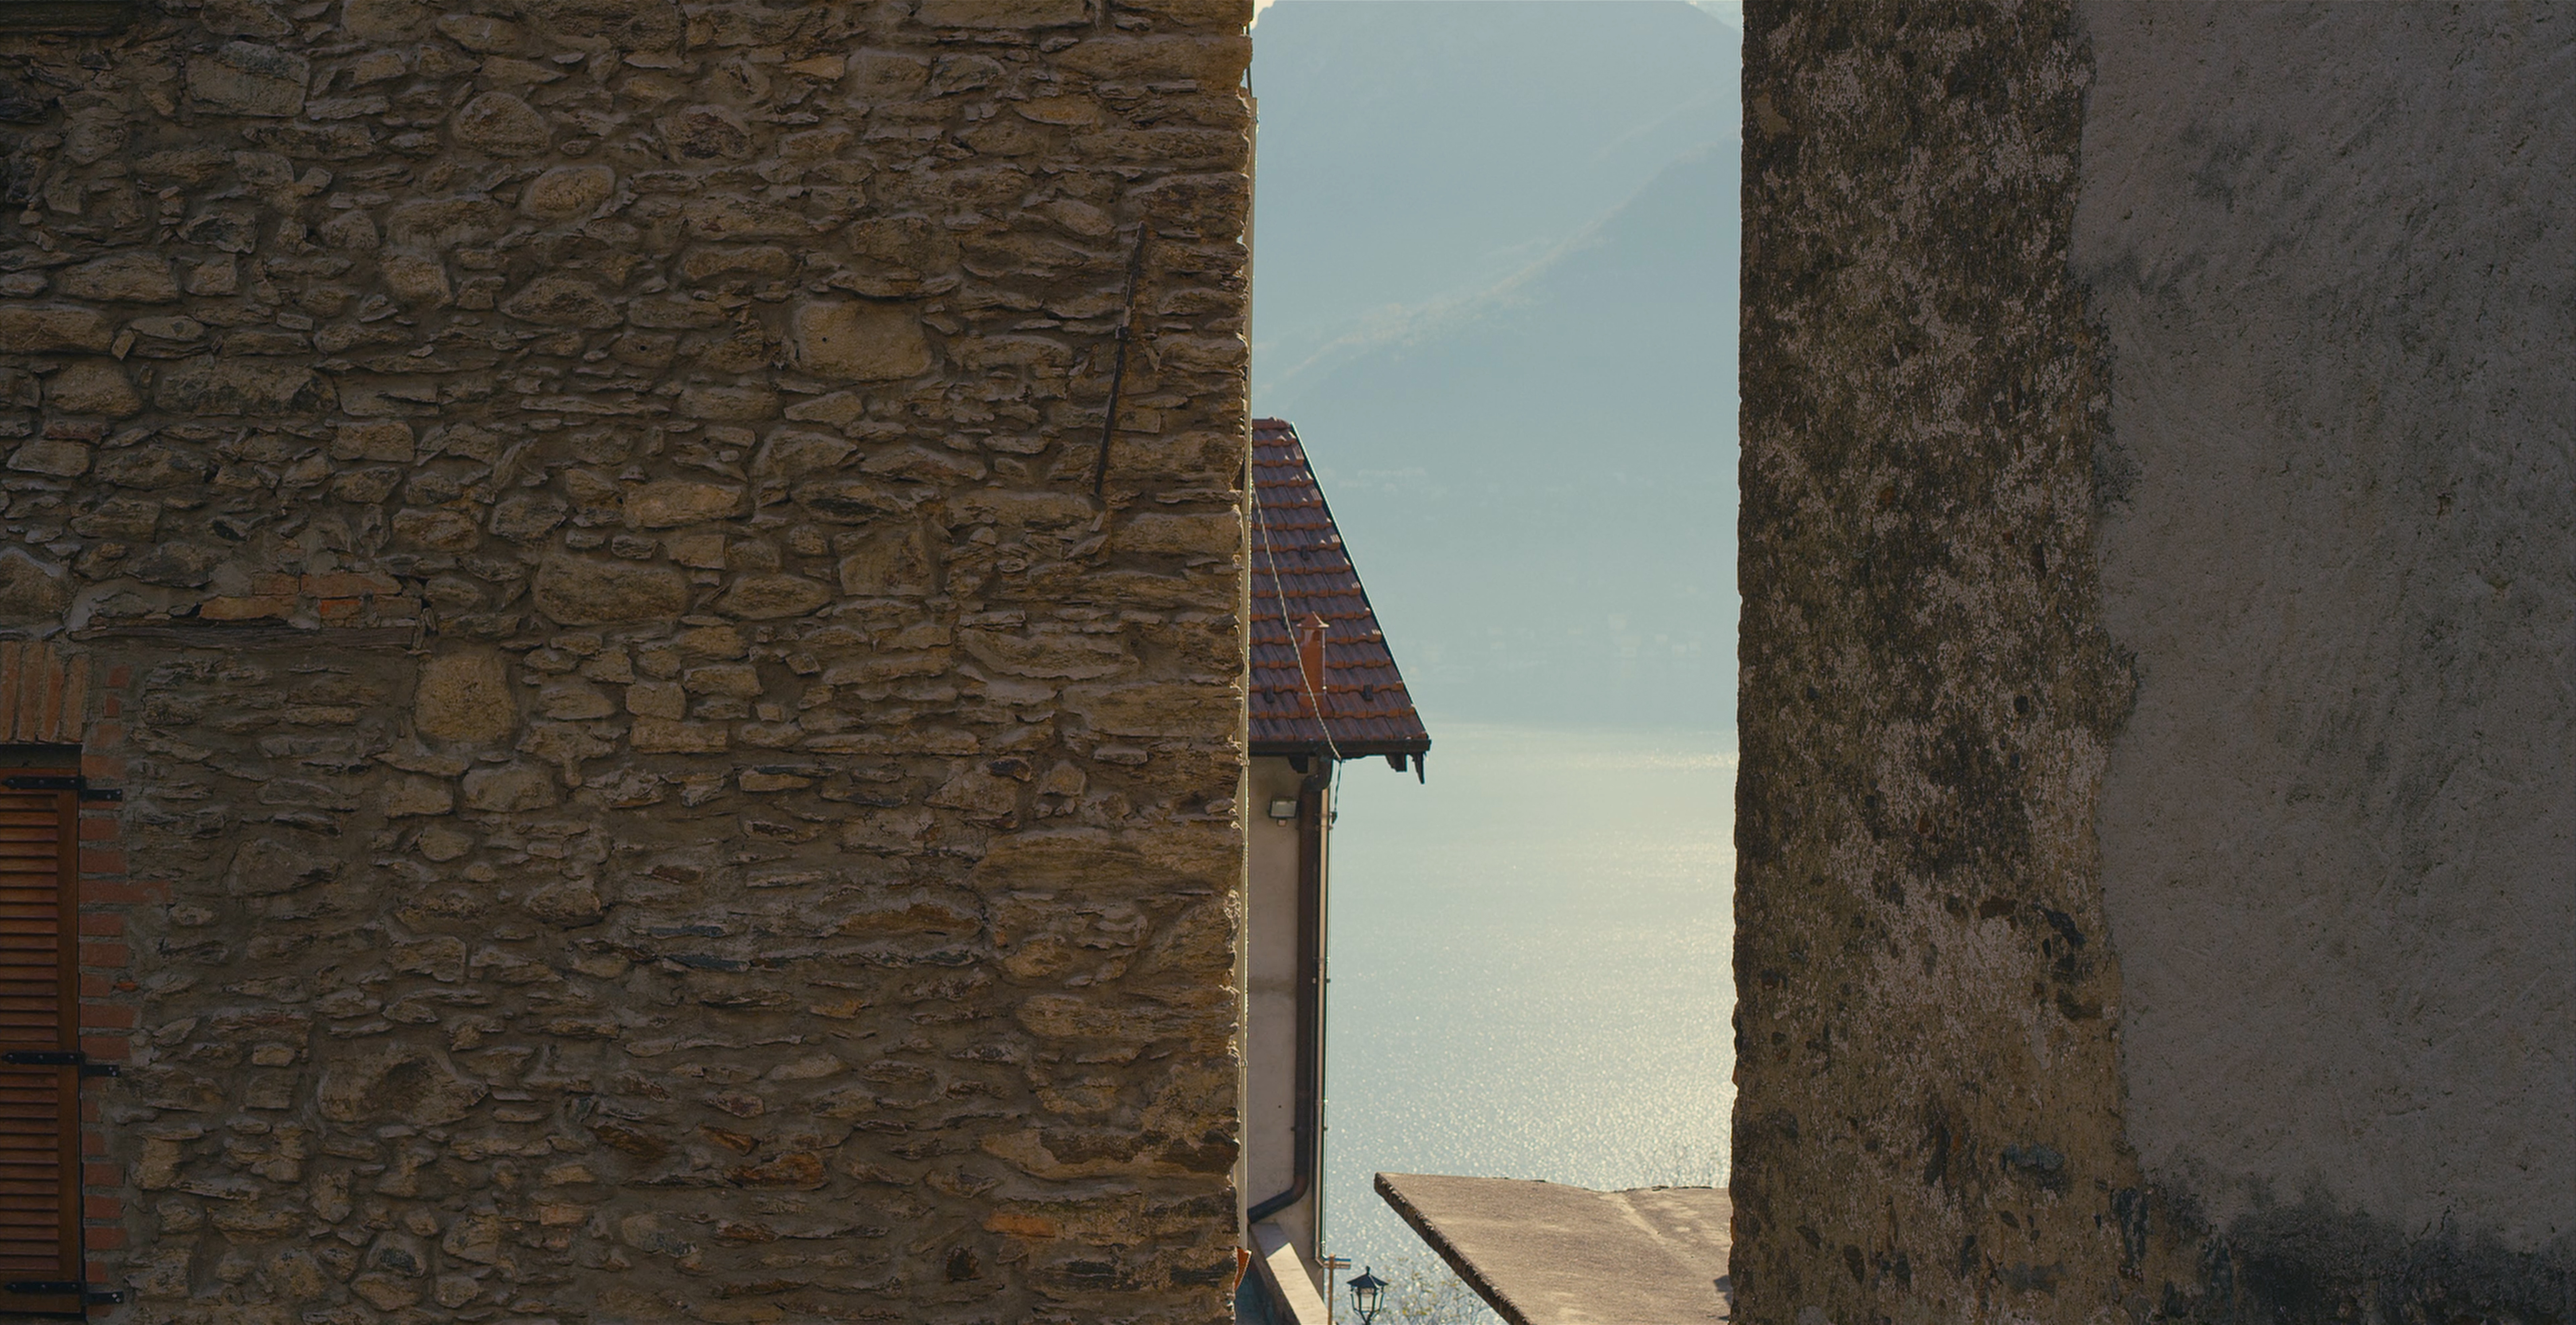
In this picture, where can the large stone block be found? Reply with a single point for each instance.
(850, 341)
(500, 124)
(93, 386)
(1014, 14)
(213, 385)
(584, 592)
(1155, 709)
(567, 192)
(670, 503)
(52, 329)
(239, 78)
(465, 696)
(140, 278)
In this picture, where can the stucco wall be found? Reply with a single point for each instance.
(668, 776)
(1271, 988)
(2329, 251)
(2158, 551)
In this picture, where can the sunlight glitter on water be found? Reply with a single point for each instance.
(1530, 968)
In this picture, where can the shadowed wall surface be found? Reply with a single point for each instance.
(2339, 831)
(2155, 437)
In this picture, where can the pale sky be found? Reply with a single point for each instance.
(1728, 12)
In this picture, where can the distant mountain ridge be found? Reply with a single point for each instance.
(1536, 472)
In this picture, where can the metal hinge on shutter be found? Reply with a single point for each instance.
(59, 1058)
(62, 782)
(95, 1296)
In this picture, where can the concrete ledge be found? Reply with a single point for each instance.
(1542, 1253)
(1285, 1271)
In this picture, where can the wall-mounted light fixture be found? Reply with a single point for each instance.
(1284, 807)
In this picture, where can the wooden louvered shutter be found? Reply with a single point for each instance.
(40, 1173)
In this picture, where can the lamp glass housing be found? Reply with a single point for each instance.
(1366, 1289)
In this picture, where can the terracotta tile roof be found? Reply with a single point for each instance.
(1297, 555)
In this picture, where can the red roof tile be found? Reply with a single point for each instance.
(1300, 569)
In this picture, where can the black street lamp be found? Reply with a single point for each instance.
(1366, 1289)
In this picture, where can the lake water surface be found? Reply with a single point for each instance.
(1530, 968)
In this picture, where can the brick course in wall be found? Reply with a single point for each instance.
(668, 776)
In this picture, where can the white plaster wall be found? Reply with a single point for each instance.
(1270, 1032)
(2334, 250)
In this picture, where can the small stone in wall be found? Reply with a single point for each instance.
(502, 125)
(30, 591)
(567, 192)
(413, 796)
(770, 597)
(674, 502)
(507, 789)
(50, 456)
(562, 301)
(93, 386)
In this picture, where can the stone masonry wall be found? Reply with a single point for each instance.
(667, 776)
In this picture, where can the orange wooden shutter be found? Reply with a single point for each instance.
(40, 1173)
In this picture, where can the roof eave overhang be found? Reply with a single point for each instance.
(1349, 749)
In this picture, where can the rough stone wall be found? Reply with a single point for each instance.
(1927, 1126)
(673, 778)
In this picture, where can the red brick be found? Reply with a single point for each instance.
(120, 676)
(340, 609)
(350, 584)
(113, 707)
(110, 892)
(253, 607)
(107, 1017)
(97, 828)
(105, 733)
(102, 766)
(102, 924)
(107, 1238)
(102, 1207)
(107, 1048)
(112, 956)
(102, 862)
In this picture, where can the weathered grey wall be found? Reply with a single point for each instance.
(669, 786)
(2329, 248)
(2159, 565)
(1926, 1127)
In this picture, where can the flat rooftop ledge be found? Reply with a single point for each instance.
(1543, 1253)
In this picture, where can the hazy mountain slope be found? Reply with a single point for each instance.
(1539, 485)
(1411, 151)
